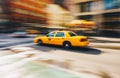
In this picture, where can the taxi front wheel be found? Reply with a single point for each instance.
(67, 45)
(39, 42)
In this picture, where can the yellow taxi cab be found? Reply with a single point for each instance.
(67, 39)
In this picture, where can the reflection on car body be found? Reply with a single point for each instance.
(67, 39)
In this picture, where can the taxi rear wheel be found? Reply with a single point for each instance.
(39, 42)
(67, 45)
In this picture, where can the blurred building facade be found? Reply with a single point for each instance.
(106, 13)
(58, 16)
(2, 16)
(22, 13)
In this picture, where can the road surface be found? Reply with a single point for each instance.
(88, 60)
(92, 60)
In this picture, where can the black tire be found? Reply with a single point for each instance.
(67, 45)
(40, 42)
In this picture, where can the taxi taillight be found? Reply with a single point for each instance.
(83, 39)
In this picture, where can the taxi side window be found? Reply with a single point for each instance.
(51, 34)
(60, 34)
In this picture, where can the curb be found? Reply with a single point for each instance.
(106, 39)
(105, 45)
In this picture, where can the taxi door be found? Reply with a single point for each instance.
(59, 38)
(50, 37)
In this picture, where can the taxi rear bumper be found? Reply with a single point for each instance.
(81, 44)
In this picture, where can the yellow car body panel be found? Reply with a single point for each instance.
(80, 41)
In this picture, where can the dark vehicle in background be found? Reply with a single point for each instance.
(32, 31)
(19, 34)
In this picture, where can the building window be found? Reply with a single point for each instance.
(111, 4)
(111, 20)
(86, 17)
(85, 7)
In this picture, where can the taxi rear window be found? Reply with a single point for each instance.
(72, 34)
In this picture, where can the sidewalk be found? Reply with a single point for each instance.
(104, 42)
(11, 65)
(55, 60)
